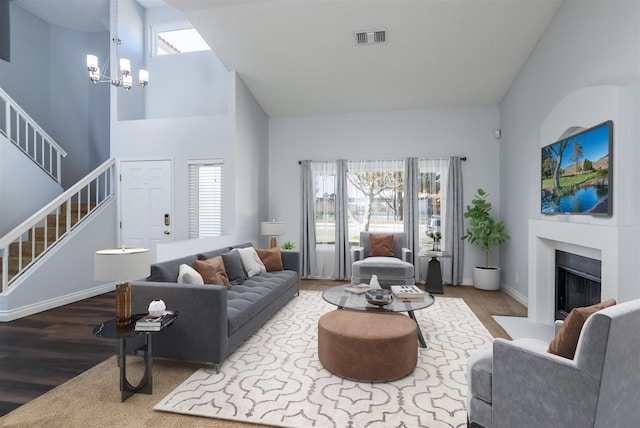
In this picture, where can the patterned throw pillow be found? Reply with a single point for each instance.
(565, 342)
(380, 245)
(212, 271)
(272, 258)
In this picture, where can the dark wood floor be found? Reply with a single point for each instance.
(41, 351)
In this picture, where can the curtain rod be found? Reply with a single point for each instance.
(463, 158)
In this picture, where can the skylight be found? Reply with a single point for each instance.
(179, 41)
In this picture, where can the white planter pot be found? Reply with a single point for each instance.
(486, 279)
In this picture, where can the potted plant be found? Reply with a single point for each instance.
(436, 236)
(288, 245)
(487, 233)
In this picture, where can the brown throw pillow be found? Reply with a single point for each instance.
(212, 271)
(565, 342)
(380, 245)
(271, 258)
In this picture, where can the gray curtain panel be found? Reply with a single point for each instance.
(342, 257)
(308, 248)
(452, 268)
(411, 211)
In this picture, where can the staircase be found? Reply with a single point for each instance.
(23, 253)
(45, 260)
(30, 138)
(29, 241)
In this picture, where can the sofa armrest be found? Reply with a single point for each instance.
(532, 387)
(357, 253)
(201, 330)
(291, 260)
(407, 255)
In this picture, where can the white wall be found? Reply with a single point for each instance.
(189, 84)
(587, 43)
(190, 114)
(178, 139)
(251, 166)
(440, 132)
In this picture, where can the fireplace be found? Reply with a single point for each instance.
(578, 282)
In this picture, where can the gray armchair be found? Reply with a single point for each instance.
(396, 270)
(519, 384)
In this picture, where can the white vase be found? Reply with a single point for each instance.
(374, 282)
(486, 279)
(156, 308)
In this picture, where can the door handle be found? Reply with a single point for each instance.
(167, 220)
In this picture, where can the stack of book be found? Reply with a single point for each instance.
(407, 292)
(151, 323)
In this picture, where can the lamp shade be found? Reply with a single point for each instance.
(122, 264)
(272, 228)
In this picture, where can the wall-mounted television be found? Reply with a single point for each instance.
(577, 173)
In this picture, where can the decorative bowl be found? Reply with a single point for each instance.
(379, 296)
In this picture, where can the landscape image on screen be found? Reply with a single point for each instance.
(576, 173)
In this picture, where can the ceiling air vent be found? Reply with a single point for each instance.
(371, 37)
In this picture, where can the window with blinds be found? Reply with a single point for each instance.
(205, 198)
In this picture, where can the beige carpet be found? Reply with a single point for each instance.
(275, 376)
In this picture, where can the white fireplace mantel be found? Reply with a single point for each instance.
(595, 241)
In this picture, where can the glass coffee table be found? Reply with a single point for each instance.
(357, 301)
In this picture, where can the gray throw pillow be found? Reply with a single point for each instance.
(233, 265)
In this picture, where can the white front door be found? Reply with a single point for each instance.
(146, 208)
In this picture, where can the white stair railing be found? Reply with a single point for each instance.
(30, 240)
(29, 137)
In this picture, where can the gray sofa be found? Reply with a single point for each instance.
(213, 320)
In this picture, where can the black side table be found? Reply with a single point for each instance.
(433, 283)
(109, 330)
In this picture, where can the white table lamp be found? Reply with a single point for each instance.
(123, 265)
(272, 228)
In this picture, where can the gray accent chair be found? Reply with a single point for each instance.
(396, 270)
(519, 384)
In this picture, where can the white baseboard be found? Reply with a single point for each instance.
(522, 299)
(34, 308)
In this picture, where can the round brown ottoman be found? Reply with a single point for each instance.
(368, 346)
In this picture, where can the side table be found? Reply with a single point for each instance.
(109, 330)
(433, 283)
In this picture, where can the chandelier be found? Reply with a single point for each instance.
(124, 78)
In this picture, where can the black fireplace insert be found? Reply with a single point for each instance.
(577, 282)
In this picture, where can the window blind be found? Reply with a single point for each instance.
(205, 198)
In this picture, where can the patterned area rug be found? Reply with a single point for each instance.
(275, 377)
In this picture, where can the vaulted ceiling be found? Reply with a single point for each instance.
(300, 56)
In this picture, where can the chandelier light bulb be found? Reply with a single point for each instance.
(127, 81)
(125, 66)
(143, 77)
(92, 62)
